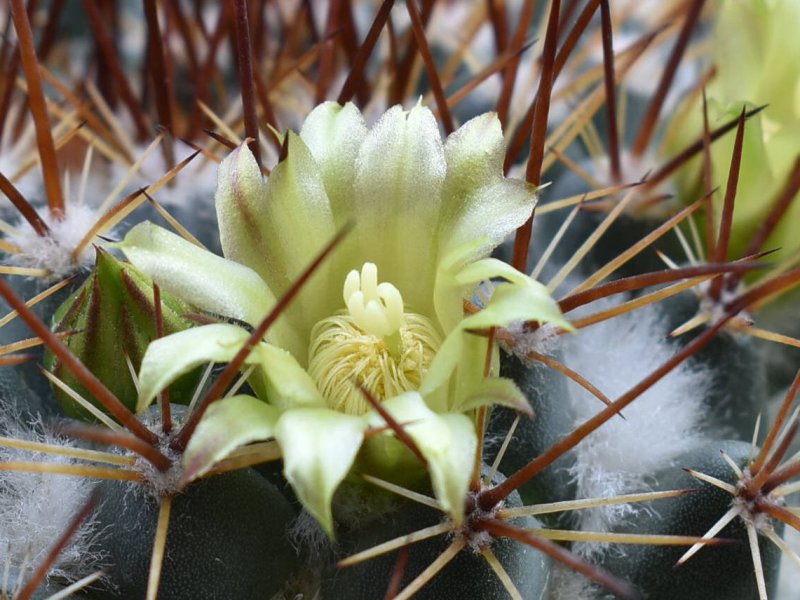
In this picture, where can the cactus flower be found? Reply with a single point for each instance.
(385, 311)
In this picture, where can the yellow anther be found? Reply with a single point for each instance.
(374, 343)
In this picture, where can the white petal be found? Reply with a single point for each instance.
(481, 207)
(169, 357)
(277, 228)
(239, 199)
(522, 300)
(399, 174)
(479, 201)
(319, 447)
(228, 424)
(334, 134)
(197, 276)
(279, 378)
(448, 443)
(285, 383)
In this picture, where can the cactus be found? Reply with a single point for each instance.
(397, 303)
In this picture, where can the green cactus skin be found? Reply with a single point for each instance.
(22, 388)
(739, 390)
(114, 315)
(546, 391)
(717, 572)
(468, 575)
(226, 540)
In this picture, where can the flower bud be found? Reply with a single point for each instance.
(108, 323)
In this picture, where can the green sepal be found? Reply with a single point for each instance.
(111, 316)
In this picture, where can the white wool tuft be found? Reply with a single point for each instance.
(660, 425)
(308, 536)
(54, 252)
(543, 339)
(36, 509)
(567, 584)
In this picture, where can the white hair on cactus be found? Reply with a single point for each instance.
(568, 584)
(37, 508)
(53, 252)
(663, 423)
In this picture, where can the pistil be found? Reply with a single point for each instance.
(373, 343)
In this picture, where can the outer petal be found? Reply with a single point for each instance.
(197, 276)
(479, 202)
(481, 207)
(240, 202)
(334, 134)
(523, 300)
(496, 391)
(475, 154)
(493, 268)
(527, 300)
(451, 465)
(448, 293)
(277, 229)
(228, 424)
(297, 218)
(280, 379)
(285, 383)
(319, 447)
(169, 357)
(399, 173)
(448, 443)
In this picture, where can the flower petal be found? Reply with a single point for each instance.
(522, 300)
(239, 200)
(447, 441)
(493, 268)
(206, 280)
(399, 174)
(169, 357)
(319, 447)
(278, 227)
(451, 465)
(482, 207)
(283, 381)
(496, 391)
(227, 424)
(448, 292)
(296, 219)
(475, 153)
(481, 202)
(279, 378)
(334, 134)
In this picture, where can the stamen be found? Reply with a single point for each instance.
(343, 356)
(373, 344)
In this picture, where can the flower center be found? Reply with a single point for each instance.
(374, 343)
